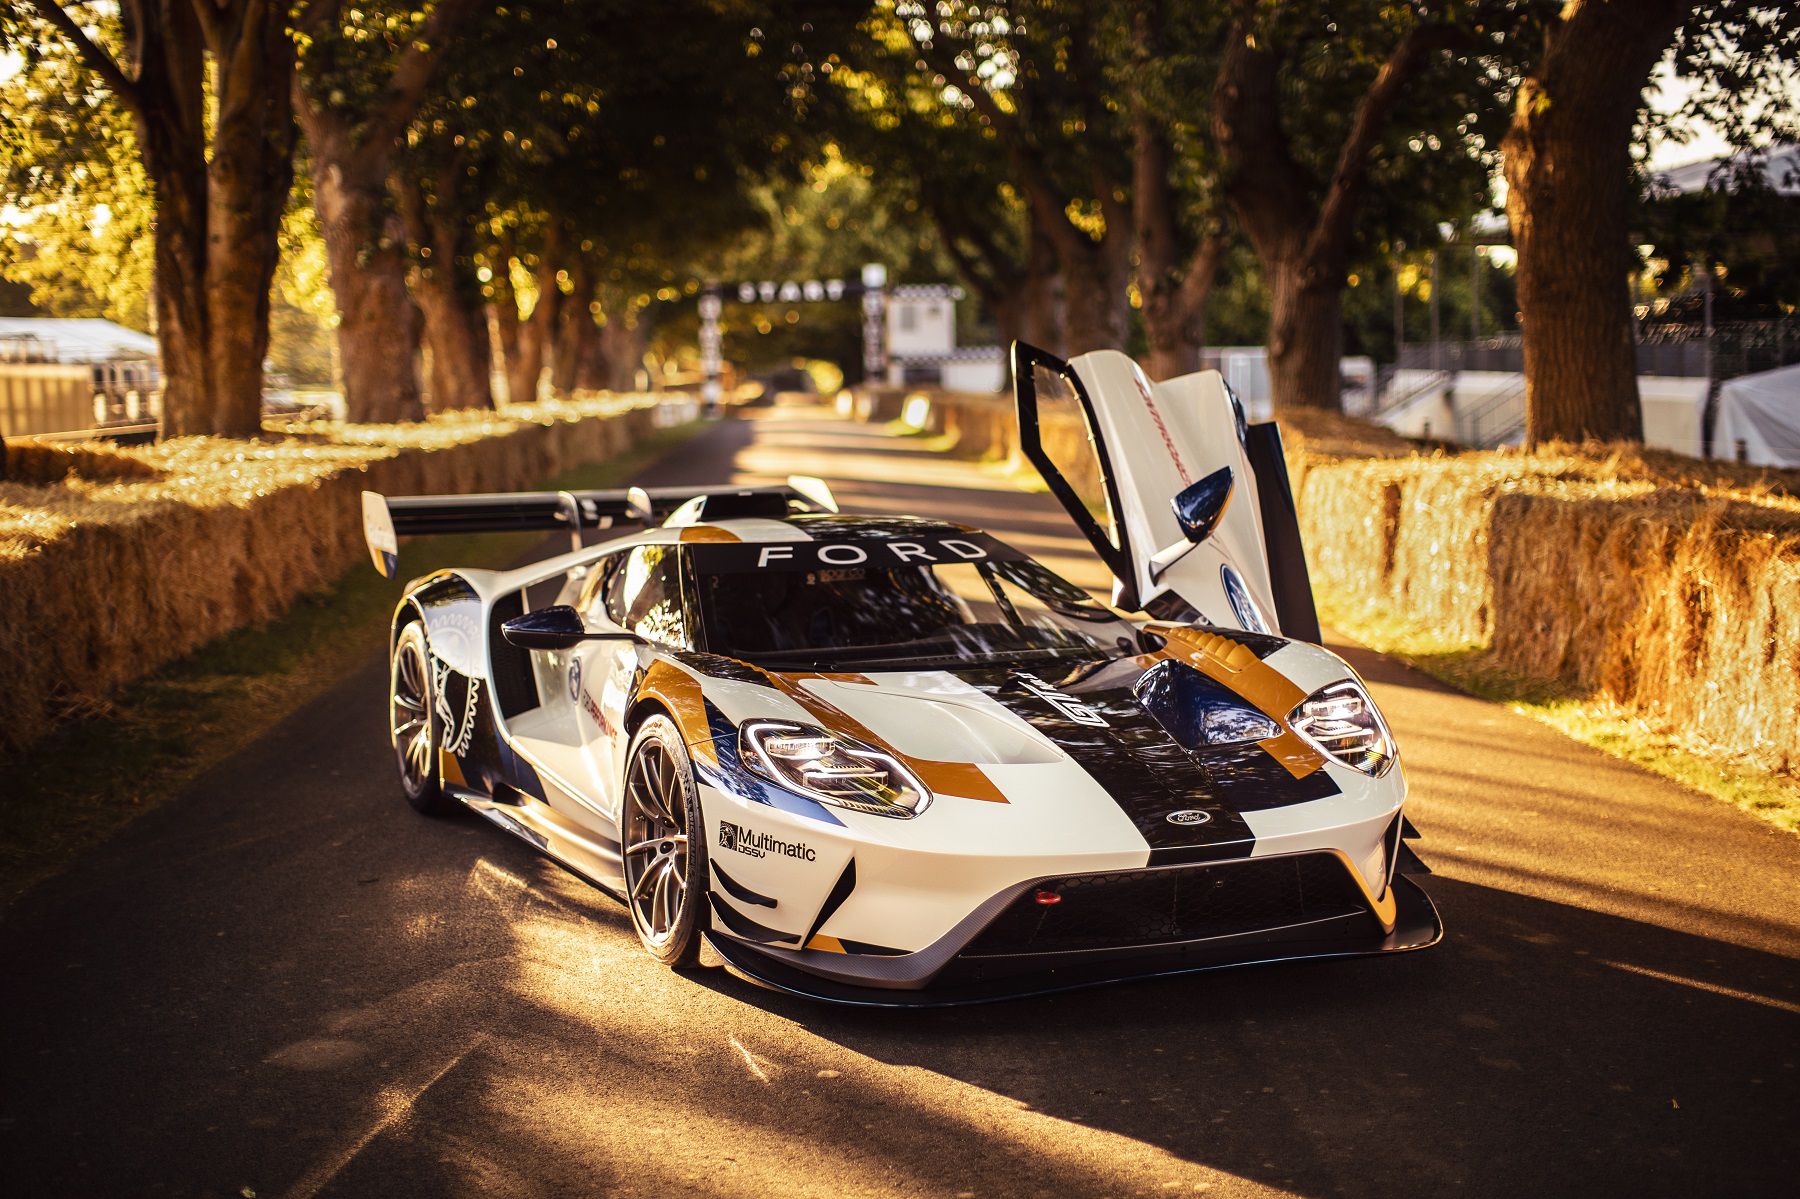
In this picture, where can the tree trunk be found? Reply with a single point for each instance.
(535, 331)
(1042, 320)
(526, 367)
(365, 247)
(218, 208)
(453, 318)
(622, 341)
(456, 338)
(1305, 349)
(1302, 235)
(575, 331)
(576, 338)
(1568, 174)
(179, 252)
(1097, 306)
(503, 319)
(365, 251)
(1174, 306)
(250, 170)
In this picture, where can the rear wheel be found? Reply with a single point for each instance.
(665, 868)
(414, 733)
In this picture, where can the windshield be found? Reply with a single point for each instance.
(809, 614)
(915, 614)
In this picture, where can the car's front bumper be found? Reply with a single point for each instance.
(971, 966)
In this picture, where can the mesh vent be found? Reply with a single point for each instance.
(1155, 907)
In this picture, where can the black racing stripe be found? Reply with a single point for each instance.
(1132, 757)
(1248, 778)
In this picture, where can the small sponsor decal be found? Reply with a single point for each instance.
(595, 714)
(1188, 816)
(1067, 705)
(575, 679)
(739, 839)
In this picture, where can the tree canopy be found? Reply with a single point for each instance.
(534, 190)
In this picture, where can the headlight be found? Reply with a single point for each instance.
(1341, 721)
(831, 769)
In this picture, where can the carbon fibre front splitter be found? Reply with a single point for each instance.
(1417, 926)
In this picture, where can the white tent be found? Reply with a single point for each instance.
(1759, 418)
(73, 340)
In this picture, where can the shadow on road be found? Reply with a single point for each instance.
(1537, 1050)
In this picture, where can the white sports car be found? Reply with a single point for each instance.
(894, 761)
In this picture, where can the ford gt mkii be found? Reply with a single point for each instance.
(893, 760)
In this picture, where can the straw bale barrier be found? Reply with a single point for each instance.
(1666, 585)
(114, 561)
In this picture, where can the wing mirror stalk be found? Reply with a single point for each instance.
(1199, 507)
(557, 627)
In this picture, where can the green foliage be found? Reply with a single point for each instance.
(826, 224)
(79, 236)
(1748, 235)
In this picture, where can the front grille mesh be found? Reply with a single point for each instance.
(1185, 903)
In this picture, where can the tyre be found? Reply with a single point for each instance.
(665, 867)
(412, 728)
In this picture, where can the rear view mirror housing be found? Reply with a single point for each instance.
(1200, 506)
(556, 627)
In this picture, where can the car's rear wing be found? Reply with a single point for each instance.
(388, 518)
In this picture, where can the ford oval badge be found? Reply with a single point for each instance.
(1188, 816)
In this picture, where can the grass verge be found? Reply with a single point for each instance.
(103, 767)
(1590, 720)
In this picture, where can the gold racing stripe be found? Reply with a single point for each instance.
(693, 533)
(1236, 667)
(965, 780)
(828, 944)
(679, 692)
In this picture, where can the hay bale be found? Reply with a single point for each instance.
(155, 551)
(1667, 586)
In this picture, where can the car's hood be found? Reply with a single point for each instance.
(1105, 717)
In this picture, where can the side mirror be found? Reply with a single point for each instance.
(556, 627)
(1200, 507)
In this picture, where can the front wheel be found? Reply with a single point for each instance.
(665, 868)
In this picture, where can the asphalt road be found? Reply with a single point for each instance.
(285, 983)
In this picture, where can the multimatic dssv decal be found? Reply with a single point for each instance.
(738, 839)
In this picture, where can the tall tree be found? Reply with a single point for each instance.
(435, 193)
(926, 157)
(1570, 188)
(1310, 99)
(1182, 238)
(206, 83)
(363, 76)
(1034, 73)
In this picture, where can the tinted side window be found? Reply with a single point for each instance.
(593, 592)
(643, 594)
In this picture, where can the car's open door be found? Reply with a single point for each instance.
(1187, 505)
